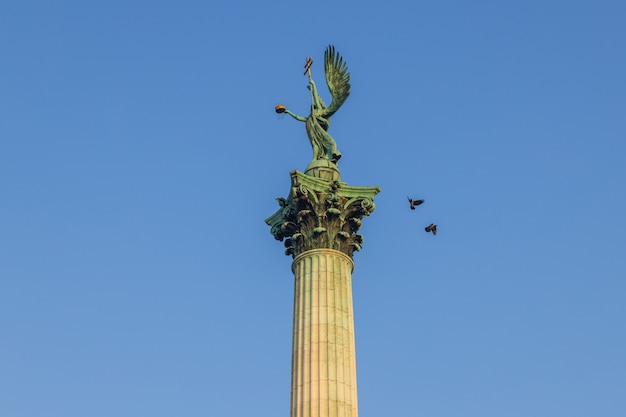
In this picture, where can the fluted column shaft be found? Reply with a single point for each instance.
(323, 376)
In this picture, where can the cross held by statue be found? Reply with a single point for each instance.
(307, 66)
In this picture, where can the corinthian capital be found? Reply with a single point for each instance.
(320, 213)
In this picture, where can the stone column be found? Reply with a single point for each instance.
(318, 222)
(323, 359)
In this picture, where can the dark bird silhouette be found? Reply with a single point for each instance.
(414, 203)
(431, 228)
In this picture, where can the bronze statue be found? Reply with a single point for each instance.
(318, 121)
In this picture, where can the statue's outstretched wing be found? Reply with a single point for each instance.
(337, 78)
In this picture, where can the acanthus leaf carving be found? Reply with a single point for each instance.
(321, 214)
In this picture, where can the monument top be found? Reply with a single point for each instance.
(320, 211)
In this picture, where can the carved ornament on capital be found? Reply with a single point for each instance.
(319, 213)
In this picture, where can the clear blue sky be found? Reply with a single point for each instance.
(140, 154)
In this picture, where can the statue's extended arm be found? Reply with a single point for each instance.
(295, 116)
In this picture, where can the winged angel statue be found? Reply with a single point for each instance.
(338, 81)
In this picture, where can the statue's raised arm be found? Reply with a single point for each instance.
(318, 121)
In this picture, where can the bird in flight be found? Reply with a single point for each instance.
(431, 228)
(414, 203)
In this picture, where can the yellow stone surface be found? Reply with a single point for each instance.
(323, 377)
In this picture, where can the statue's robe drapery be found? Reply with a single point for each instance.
(324, 146)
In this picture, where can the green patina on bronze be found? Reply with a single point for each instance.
(318, 121)
(321, 214)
